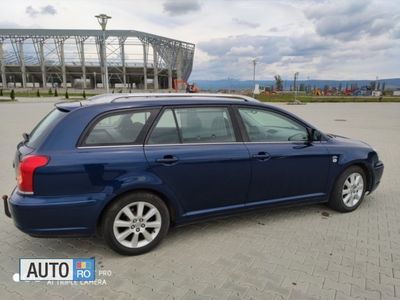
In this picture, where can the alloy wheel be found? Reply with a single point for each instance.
(353, 189)
(137, 224)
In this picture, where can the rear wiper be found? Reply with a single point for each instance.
(26, 137)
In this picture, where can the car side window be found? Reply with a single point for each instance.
(267, 126)
(195, 125)
(165, 131)
(205, 125)
(117, 129)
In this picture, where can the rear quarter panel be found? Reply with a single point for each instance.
(99, 173)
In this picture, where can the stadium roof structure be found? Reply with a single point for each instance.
(68, 56)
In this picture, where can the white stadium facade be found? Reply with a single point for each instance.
(75, 59)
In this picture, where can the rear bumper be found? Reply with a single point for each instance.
(55, 216)
(377, 175)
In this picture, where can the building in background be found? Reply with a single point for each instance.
(72, 59)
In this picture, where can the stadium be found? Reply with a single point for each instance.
(48, 58)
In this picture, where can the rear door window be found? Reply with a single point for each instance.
(165, 131)
(193, 125)
(205, 125)
(122, 128)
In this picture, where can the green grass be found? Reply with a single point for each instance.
(308, 99)
(284, 97)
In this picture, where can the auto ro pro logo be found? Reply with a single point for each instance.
(76, 269)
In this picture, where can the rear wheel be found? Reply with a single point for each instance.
(349, 190)
(135, 223)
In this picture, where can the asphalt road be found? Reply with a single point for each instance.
(293, 253)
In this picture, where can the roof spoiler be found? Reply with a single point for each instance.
(68, 106)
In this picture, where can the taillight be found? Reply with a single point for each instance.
(26, 170)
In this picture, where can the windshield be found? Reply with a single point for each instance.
(46, 124)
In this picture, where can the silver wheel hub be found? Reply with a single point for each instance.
(353, 189)
(137, 224)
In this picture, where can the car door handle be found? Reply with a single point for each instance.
(262, 156)
(167, 159)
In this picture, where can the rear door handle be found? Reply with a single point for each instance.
(262, 156)
(167, 160)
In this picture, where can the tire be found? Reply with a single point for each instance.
(129, 232)
(349, 190)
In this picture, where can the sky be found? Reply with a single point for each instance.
(320, 39)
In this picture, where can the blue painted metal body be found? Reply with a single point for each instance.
(73, 190)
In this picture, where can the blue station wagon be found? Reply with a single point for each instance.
(128, 166)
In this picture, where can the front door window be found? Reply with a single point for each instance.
(267, 126)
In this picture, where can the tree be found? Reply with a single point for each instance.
(37, 93)
(12, 95)
(302, 87)
(55, 93)
(50, 92)
(66, 94)
(1, 92)
(278, 82)
(372, 85)
(326, 89)
(84, 94)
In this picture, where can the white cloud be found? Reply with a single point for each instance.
(351, 20)
(329, 39)
(181, 7)
(245, 23)
(44, 10)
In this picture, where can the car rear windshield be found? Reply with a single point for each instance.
(44, 127)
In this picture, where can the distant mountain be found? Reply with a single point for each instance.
(234, 84)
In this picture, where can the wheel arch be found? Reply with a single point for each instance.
(361, 164)
(172, 209)
(367, 173)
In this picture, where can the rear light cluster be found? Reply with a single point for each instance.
(26, 171)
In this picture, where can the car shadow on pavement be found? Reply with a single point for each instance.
(219, 229)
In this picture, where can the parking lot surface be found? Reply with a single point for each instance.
(307, 252)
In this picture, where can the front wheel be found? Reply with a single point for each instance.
(135, 223)
(349, 190)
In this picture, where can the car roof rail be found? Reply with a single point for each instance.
(125, 97)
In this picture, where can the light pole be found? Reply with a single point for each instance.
(103, 19)
(254, 71)
(295, 86)
(254, 76)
